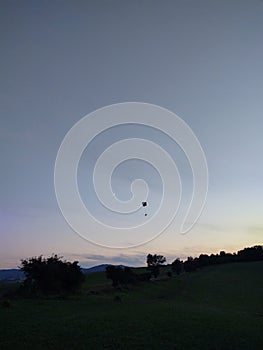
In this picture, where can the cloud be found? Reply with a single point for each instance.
(89, 260)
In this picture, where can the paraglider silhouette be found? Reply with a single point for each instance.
(144, 204)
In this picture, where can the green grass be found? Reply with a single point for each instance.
(218, 307)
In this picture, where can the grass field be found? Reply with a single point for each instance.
(218, 307)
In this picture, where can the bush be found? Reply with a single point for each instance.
(51, 275)
(120, 276)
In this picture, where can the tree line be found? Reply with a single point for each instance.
(245, 255)
(155, 262)
(53, 275)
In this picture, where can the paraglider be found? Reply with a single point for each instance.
(144, 204)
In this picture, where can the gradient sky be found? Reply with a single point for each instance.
(60, 60)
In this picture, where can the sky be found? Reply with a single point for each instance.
(60, 60)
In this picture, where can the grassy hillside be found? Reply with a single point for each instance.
(219, 307)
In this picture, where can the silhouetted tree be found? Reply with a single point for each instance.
(203, 260)
(51, 275)
(251, 254)
(119, 276)
(115, 274)
(213, 259)
(190, 264)
(154, 262)
(177, 266)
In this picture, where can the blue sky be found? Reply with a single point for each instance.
(60, 60)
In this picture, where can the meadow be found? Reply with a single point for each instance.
(217, 307)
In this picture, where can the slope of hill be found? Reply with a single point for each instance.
(218, 307)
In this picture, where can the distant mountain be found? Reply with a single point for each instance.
(99, 268)
(15, 275)
(11, 275)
